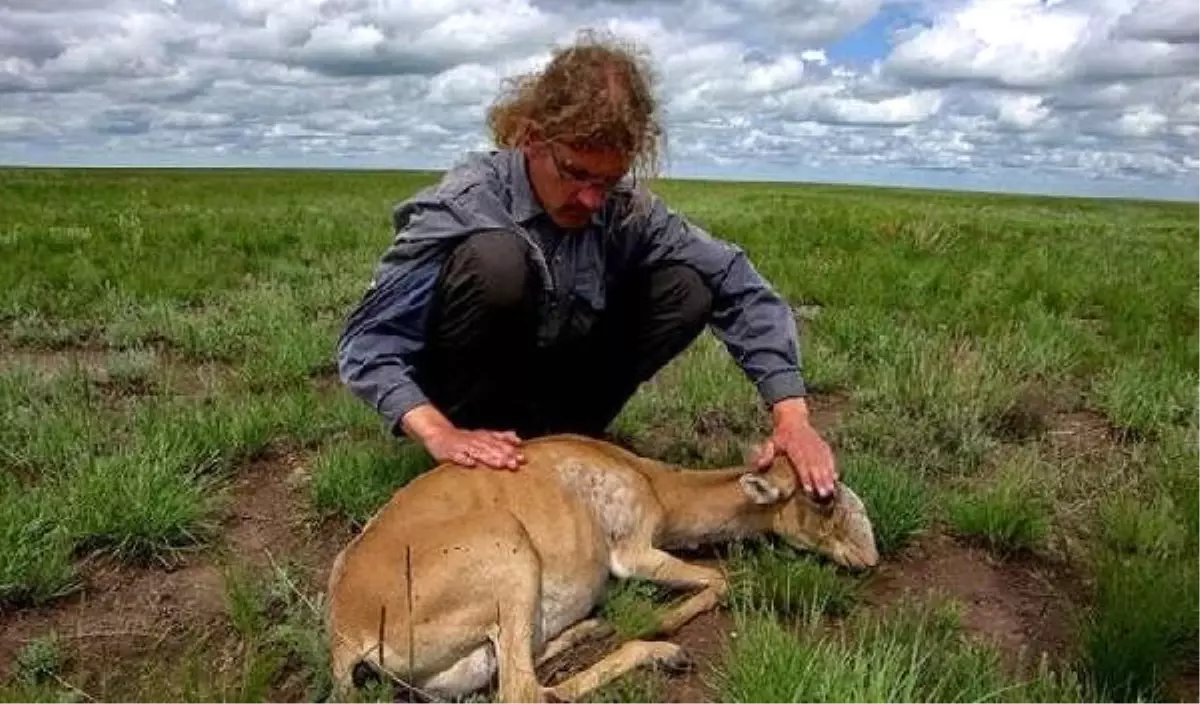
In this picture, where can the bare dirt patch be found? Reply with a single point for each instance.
(1023, 606)
(123, 617)
(268, 517)
(127, 622)
(704, 639)
(1186, 687)
(1029, 416)
(124, 373)
(1077, 434)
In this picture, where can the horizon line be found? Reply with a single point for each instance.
(749, 179)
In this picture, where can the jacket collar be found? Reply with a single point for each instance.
(525, 205)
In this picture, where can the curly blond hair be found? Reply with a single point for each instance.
(595, 93)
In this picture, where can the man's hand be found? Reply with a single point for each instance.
(470, 448)
(809, 454)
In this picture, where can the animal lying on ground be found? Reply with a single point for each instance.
(466, 572)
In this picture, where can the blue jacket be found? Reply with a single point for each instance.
(488, 191)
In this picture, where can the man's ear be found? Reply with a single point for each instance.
(760, 488)
(532, 136)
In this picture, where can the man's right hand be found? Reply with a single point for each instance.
(470, 448)
(491, 448)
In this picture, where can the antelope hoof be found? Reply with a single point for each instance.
(677, 661)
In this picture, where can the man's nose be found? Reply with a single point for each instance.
(591, 197)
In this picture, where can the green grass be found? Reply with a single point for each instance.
(353, 480)
(915, 653)
(896, 499)
(161, 329)
(1010, 514)
(634, 608)
(787, 583)
(1143, 620)
(1131, 527)
(39, 659)
(1142, 626)
(1143, 398)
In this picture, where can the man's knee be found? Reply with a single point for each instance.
(679, 289)
(490, 269)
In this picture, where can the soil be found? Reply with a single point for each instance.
(126, 620)
(704, 639)
(267, 521)
(120, 611)
(167, 372)
(1081, 434)
(1021, 605)
(1186, 687)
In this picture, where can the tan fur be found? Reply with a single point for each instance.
(506, 566)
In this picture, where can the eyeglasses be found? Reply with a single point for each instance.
(579, 179)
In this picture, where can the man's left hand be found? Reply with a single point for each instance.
(795, 437)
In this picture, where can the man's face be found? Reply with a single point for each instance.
(572, 184)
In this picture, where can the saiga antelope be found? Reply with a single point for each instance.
(505, 566)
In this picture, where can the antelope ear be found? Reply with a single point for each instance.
(760, 489)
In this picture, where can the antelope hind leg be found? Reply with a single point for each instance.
(630, 655)
(579, 633)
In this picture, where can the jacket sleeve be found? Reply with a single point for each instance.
(384, 333)
(752, 320)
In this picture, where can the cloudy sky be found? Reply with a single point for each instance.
(1059, 96)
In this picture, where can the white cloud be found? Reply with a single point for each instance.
(816, 56)
(1031, 44)
(1074, 89)
(1010, 42)
(19, 125)
(1020, 111)
(1161, 20)
(1142, 121)
(899, 110)
(465, 84)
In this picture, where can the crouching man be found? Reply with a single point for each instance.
(536, 286)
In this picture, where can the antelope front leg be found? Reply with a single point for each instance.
(663, 568)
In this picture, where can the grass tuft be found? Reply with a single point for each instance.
(896, 500)
(40, 659)
(1143, 399)
(141, 504)
(633, 607)
(35, 546)
(1131, 527)
(646, 685)
(1008, 517)
(49, 423)
(765, 576)
(282, 631)
(916, 653)
(1142, 624)
(354, 479)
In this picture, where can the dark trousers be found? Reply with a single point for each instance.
(482, 366)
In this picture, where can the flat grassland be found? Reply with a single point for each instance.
(1009, 382)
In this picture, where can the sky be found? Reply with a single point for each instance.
(1073, 97)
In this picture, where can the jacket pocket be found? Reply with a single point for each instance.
(588, 301)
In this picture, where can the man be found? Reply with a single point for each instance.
(536, 287)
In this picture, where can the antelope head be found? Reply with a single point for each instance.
(839, 528)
